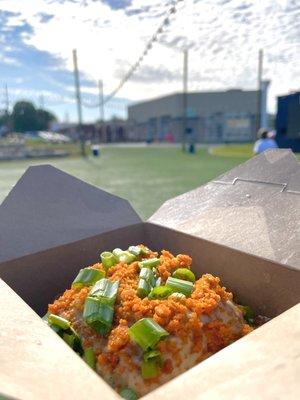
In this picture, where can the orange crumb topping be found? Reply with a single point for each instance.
(180, 317)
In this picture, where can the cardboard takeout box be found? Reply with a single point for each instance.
(242, 227)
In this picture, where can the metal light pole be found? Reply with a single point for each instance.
(184, 97)
(78, 99)
(259, 88)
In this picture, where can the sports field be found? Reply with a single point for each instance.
(146, 176)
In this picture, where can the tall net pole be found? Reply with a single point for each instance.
(78, 100)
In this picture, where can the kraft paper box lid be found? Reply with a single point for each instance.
(49, 208)
(254, 208)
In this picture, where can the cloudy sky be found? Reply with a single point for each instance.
(223, 37)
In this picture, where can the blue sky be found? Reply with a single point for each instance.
(224, 36)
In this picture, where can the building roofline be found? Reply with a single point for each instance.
(174, 94)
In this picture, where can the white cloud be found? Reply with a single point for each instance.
(224, 37)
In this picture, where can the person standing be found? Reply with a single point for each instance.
(265, 142)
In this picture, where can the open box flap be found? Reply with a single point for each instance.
(255, 207)
(36, 364)
(260, 366)
(48, 207)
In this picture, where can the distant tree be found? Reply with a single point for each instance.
(44, 118)
(25, 117)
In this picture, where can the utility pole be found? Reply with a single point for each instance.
(101, 100)
(184, 97)
(6, 97)
(101, 108)
(78, 99)
(259, 88)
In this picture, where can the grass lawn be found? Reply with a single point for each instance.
(146, 176)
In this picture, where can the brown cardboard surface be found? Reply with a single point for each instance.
(41, 252)
(48, 208)
(264, 365)
(39, 278)
(270, 288)
(255, 208)
(35, 364)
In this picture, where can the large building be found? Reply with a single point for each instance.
(224, 116)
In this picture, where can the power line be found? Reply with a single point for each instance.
(148, 47)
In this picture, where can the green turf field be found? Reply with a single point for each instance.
(146, 176)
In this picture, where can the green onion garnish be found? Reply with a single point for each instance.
(135, 250)
(138, 250)
(98, 315)
(128, 394)
(143, 288)
(147, 333)
(69, 339)
(146, 282)
(87, 277)
(148, 276)
(248, 314)
(59, 321)
(149, 369)
(89, 357)
(108, 260)
(126, 257)
(185, 274)
(181, 286)
(117, 252)
(160, 292)
(177, 295)
(152, 354)
(149, 263)
(158, 281)
(106, 290)
(56, 329)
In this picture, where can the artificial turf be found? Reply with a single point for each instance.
(146, 176)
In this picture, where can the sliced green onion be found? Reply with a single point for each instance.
(87, 277)
(185, 274)
(126, 257)
(149, 263)
(135, 250)
(148, 276)
(146, 282)
(89, 357)
(108, 260)
(128, 394)
(69, 339)
(158, 281)
(143, 288)
(248, 314)
(117, 252)
(106, 290)
(59, 321)
(77, 341)
(177, 295)
(98, 315)
(160, 292)
(147, 333)
(149, 369)
(56, 328)
(181, 286)
(152, 354)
